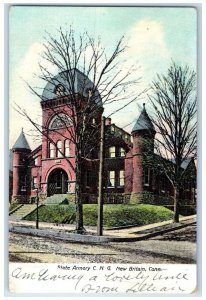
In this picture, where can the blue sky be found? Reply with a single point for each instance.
(155, 36)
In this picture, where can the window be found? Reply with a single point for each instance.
(36, 161)
(93, 121)
(34, 182)
(146, 177)
(121, 178)
(111, 182)
(66, 148)
(112, 152)
(51, 150)
(60, 90)
(60, 121)
(121, 152)
(22, 182)
(59, 149)
(162, 184)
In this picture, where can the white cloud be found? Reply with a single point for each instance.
(19, 92)
(147, 48)
(147, 45)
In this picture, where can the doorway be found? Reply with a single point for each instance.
(57, 182)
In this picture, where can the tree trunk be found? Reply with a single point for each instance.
(176, 204)
(78, 197)
(100, 191)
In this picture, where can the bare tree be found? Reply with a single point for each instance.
(109, 83)
(174, 106)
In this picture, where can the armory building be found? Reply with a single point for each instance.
(50, 168)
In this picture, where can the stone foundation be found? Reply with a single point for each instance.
(20, 199)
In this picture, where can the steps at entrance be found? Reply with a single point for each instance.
(22, 212)
(56, 199)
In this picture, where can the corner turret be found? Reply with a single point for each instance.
(20, 150)
(143, 134)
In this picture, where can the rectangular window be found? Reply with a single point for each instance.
(67, 148)
(59, 149)
(23, 182)
(162, 184)
(146, 177)
(36, 161)
(111, 182)
(112, 152)
(34, 182)
(121, 152)
(51, 150)
(121, 178)
(93, 121)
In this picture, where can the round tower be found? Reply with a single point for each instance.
(20, 151)
(143, 134)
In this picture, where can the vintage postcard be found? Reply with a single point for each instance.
(103, 150)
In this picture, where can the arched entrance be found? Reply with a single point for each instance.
(57, 182)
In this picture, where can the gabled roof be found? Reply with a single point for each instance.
(21, 142)
(143, 122)
(71, 80)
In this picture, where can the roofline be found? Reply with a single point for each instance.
(118, 128)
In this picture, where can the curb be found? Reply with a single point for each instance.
(74, 237)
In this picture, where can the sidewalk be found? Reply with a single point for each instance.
(64, 231)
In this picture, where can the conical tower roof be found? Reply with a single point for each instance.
(21, 142)
(143, 122)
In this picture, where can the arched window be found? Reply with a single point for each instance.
(59, 149)
(60, 120)
(66, 148)
(51, 150)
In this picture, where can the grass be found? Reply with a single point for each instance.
(114, 214)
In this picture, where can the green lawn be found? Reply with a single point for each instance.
(114, 214)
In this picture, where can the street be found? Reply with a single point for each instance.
(175, 247)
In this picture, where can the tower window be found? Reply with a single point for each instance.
(66, 148)
(59, 149)
(23, 182)
(60, 120)
(112, 152)
(51, 150)
(146, 177)
(60, 90)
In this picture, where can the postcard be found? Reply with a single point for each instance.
(103, 150)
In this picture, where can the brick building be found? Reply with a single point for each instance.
(50, 167)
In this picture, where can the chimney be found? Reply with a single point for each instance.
(108, 121)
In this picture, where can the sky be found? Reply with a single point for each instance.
(155, 37)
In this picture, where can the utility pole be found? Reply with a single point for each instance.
(100, 191)
(37, 209)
